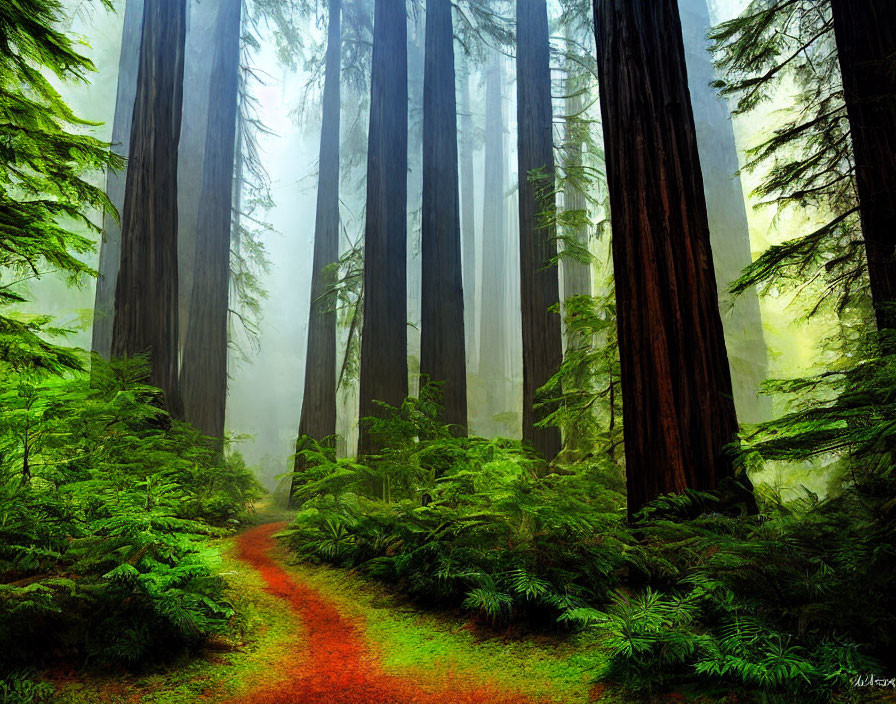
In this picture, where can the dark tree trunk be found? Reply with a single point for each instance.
(204, 363)
(468, 214)
(866, 43)
(493, 341)
(729, 229)
(442, 340)
(318, 418)
(146, 292)
(539, 283)
(676, 386)
(384, 361)
(110, 248)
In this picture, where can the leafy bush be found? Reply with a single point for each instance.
(20, 688)
(469, 522)
(106, 506)
(794, 603)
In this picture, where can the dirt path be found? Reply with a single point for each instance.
(330, 664)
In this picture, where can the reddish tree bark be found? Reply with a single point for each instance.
(676, 385)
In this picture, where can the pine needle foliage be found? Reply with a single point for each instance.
(807, 161)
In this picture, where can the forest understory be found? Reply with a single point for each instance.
(564, 331)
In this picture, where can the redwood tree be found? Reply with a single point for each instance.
(539, 284)
(204, 364)
(384, 362)
(318, 418)
(676, 386)
(442, 353)
(110, 247)
(146, 302)
(865, 31)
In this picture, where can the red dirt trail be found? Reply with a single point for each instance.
(330, 664)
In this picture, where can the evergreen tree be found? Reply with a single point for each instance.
(539, 282)
(865, 32)
(676, 385)
(443, 351)
(146, 300)
(204, 361)
(808, 160)
(384, 365)
(44, 158)
(110, 247)
(318, 416)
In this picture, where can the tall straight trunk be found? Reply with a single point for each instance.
(204, 363)
(384, 361)
(676, 386)
(146, 292)
(576, 273)
(729, 229)
(110, 247)
(318, 418)
(493, 355)
(443, 350)
(199, 49)
(865, 31)
(539, 282)
(468, 213)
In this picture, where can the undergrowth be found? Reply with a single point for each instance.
(792, 604)
(106, 505)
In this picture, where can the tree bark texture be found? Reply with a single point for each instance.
(110, 247)
(539, 281)
(676, 385)
(729, 229)
(146, 316)
(384, 362)
(443, 349)
(865, 31)
(204, 362)
(318, 418)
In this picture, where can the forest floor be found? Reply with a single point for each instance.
(318, 635)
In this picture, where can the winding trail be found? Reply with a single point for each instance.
(330, 663)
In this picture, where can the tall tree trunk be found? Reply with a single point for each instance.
(729, 229)
(146, 292)
(493, 343)
(204, 363)
(676, 386)
(468, 213)
(110, 247)
(443, 350)
(384, 361)
(865, 31)
(318, 418)
(539, 283)
(199, 48)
